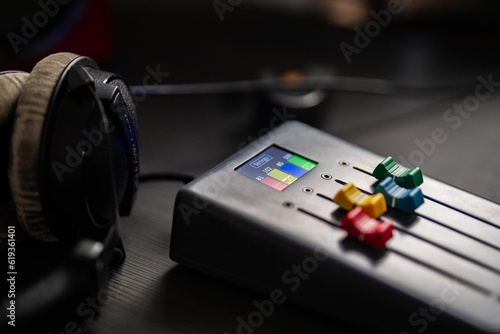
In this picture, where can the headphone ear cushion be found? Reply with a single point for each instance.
(11, 85)
(27, 131)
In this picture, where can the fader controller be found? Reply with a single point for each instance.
(308, 218)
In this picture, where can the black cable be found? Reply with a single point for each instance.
(316, 82)
(182, 177)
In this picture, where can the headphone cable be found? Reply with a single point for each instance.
(315, 82)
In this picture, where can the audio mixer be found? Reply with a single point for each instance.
(308, 218)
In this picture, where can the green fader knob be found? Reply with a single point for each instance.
(405, 177)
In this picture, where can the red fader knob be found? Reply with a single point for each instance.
(366, 229)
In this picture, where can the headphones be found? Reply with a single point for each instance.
(69, 167)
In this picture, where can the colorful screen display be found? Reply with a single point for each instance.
(276, 167)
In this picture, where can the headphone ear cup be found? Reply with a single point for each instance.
(11, 85)
(25, 146)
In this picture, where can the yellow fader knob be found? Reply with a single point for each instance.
(349, 196)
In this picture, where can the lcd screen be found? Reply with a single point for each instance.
(276, 167)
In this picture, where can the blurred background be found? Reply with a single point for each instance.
(405, 69)
(381, 74)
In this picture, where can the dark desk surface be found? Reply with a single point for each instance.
(150, 293)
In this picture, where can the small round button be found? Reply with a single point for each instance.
(308, 190)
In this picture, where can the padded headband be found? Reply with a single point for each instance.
(11, 85)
